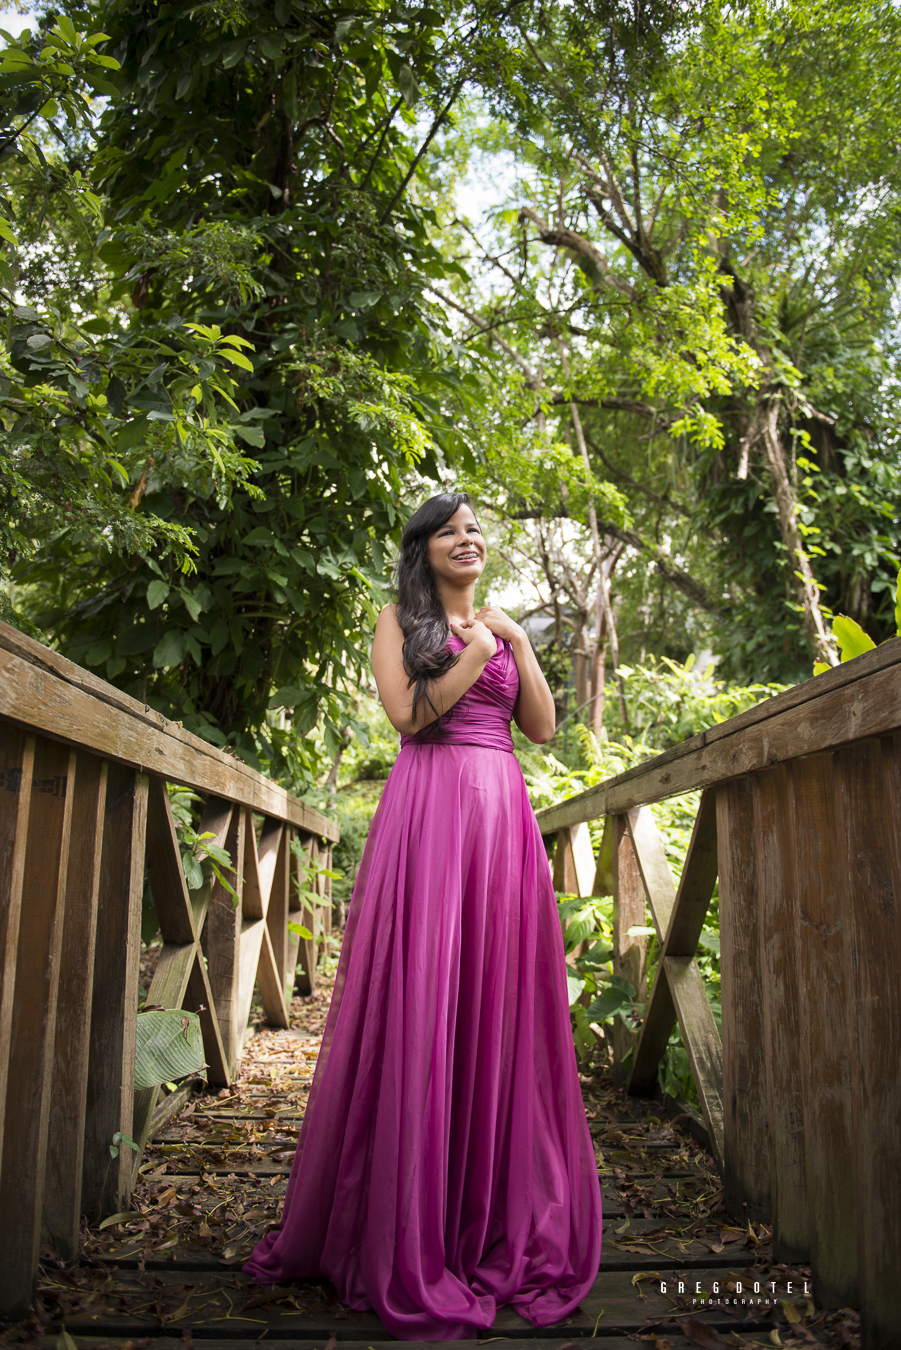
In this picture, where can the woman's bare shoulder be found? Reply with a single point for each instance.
(388, 617)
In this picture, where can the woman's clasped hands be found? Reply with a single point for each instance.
(488, 623)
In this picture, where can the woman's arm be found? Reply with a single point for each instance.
(395, 693)
(534, 713)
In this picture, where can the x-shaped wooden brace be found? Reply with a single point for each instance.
(216, 982)
(678, 992)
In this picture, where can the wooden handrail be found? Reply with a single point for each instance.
(860, 698)
(46, 692)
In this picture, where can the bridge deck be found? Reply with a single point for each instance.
(169, 1274)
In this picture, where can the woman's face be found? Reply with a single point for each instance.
(457, 550)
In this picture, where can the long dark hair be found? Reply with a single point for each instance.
(420, 612)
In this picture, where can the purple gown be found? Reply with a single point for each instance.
(444, 1165)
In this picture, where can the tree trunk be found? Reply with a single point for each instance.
(804, 581)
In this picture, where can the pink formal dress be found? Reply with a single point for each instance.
(444, 1166)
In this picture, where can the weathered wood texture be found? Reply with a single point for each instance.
(799, 821)
(33, 1020)
(85, 816)
(858, 699)
(679, 991)
(42, 690)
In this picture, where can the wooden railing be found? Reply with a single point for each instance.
(84, 811)
(800, 819)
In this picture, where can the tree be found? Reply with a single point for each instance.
(66, 429)
(684, 262)
(280, 137)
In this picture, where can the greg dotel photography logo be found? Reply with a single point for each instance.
(735, 1292)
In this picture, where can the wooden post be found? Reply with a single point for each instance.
(114, 1006)
(277, 917)
(69, 1088)
(222, 944)
(777, 908)
(16, 773)
(746, 1163)
(574, 864)
(821, 875)
(629, 952)
(33, 1022)
(868, 785)
(305, 976)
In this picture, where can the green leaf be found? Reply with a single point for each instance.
(574, 984)
(156, 594)
(851, 638)
(898, 603)
(299, 929)
(618, 994)
(170, 650)
(409, 86)
(193, 871)
(169, 1046)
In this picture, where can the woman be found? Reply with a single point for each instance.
(444, 1165)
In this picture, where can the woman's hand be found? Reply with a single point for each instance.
(500, 623)
(474, 631)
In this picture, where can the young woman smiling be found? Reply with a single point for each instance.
(444, 1165)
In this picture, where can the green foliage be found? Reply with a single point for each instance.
(678, 248)
(121, 1140)
(852, 640)
(268, 371)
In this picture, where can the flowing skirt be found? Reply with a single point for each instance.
(444, 1166)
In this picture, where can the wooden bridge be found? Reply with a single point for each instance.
(800, 820)
(84, 811)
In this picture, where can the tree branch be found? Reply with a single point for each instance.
(633, 483)
(433, 131)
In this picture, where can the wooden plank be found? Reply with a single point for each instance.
(267, 857)
(840, 710)
(777, 909)
(252, 931)
(307, 955)
(603, 877)
(272, 989)
(869, 802)
(655, 871)
(574, 865)
(167, 876)
(277, 917)
(16, 773)
(659, 1020)
(702, 1043)
(221, 944)
(696, 883)
(681, 921)
(69, 1079)
(167, 988)
(107, 1181)
(821, 873)
(33, 1024)
(200, 1000)
(629, 952)
(746, 1152)
(43, 690)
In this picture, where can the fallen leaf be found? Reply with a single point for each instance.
(791, 1312)
(703, 1336)
(117, 1218)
